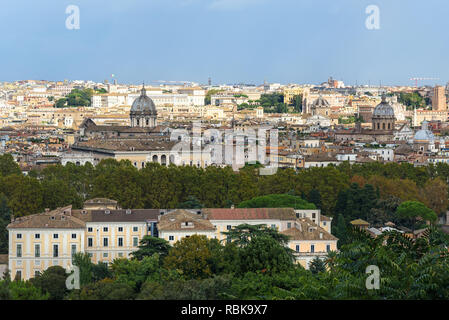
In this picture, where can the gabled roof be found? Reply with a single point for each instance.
(250, 213)
(305, 229)
(183, 220)
(121, 215)
(59, 218)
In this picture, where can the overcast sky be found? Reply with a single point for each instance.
(231, 41)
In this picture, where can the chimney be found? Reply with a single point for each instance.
(321, 235)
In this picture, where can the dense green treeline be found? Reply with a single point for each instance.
(157, 186)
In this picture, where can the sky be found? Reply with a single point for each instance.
(231, 41)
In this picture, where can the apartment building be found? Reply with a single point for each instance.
(107, 232)
(308, 230)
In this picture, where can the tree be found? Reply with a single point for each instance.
(317, 265)
(85, 265)
(278, 201)
(435, 194)
(191, 203)
(297, 103)
(5, 219)
(191, 256)
(339, 228)
(265, 254)
(315, 197)
(134, 272)
(60, 103)
(243, 234)
(8, 166)
(150, 245)
(52, 281)
(24, 194)
(100, 271)
(107, 289)
(413, 210)
(23, 290)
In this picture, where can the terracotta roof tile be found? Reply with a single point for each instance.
(250, 213)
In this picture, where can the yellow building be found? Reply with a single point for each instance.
(39, 241)
(107, 232)
(309, 241)
(290, 93)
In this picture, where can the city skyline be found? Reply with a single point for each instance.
(229, 41)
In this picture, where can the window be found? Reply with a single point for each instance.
(328, 247)
(89, 242)
(324, 223)
(89, 229)
(120, 242)
(37, 250)
(19, 236)
(273, 226)
(18, 275)
(120, 254)
(73, 249)
(55, 236)
(135, 241)
(228, 227)
(171, 238)
(55, 251)
(19, 251)
(105, 229)
(289, 225)
(312, 248)
(37, 236)
(73, 235)
(105, 255)
(313, 215)
(297, 248)
(105, 242)
(120, 229)
(36, 273)
(135, 229)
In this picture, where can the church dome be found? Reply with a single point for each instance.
(424, 134)
(143, 104)
(383, 109)
(321, 103)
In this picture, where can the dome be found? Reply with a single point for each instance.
(143, 104)
(383, 109)
(424, 134)
(321, 102)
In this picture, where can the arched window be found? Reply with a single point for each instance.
(388, 126)
(138, 122)
(147, 122)
(383, 126)
(378, 126)
(164, 160)
(155, 158)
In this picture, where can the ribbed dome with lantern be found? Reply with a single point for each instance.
(383, 116)
(143, 111)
